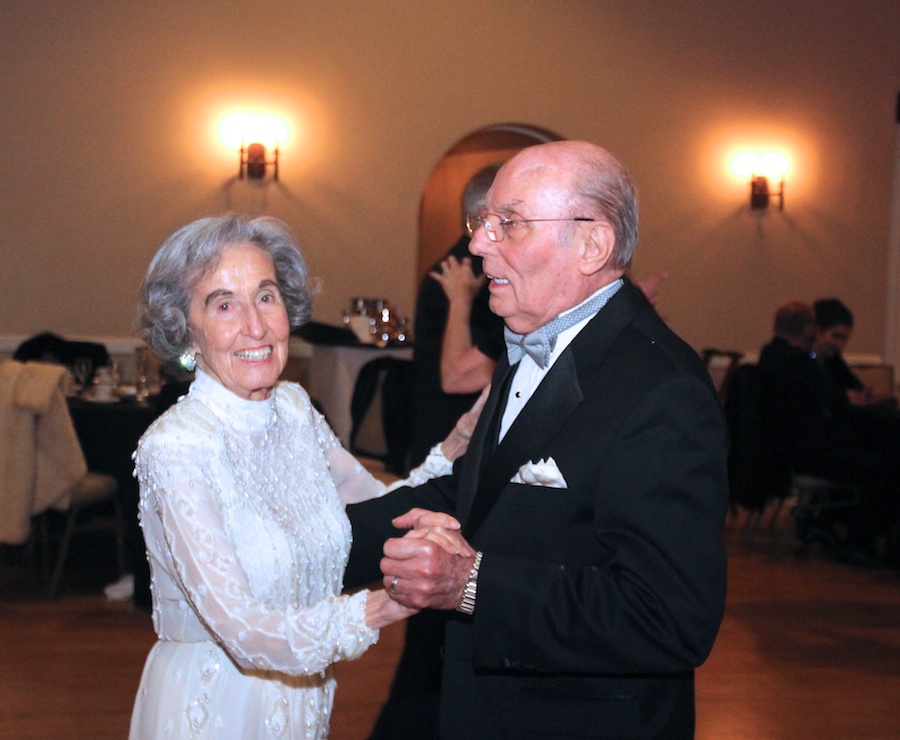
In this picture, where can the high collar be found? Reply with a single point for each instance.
(231, 408)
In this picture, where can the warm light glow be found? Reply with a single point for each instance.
(773, 165)
(242, 128)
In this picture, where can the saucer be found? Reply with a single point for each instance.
(92, 397)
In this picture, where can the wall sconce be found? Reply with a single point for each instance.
(760, 193)
(762, 169)
(254, 157)
(265, 131)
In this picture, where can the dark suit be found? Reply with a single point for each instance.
(595, 602)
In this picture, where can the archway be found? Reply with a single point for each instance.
(440, 219)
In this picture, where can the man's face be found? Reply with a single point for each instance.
(534, 276)
(832, 340)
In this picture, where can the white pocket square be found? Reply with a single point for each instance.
(542, 473)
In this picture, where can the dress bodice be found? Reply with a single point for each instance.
(244, 527)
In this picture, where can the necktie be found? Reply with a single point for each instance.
(540, 343)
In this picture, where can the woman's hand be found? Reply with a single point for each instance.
(436, 526)
(457, 442)
(418, 518)
(650, 286)
(458, 280)
(382, 610)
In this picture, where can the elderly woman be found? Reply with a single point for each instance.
(242, 492)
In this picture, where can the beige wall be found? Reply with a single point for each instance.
(108, 140)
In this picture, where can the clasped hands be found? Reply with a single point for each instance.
(429, 566)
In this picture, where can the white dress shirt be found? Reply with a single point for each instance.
(529, 374)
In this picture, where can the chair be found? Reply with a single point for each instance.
(720, 364)
(381, 412)
(92, 491)
(48, 347)
(759, 468)
(813, 495)
(44, 467)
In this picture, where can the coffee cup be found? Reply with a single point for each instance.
(104, 391)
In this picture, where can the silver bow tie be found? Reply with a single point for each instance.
(540, 343)
(536, 345)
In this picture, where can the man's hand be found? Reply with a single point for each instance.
(435, 526)
(428, 567)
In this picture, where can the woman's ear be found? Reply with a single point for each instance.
(598, 247)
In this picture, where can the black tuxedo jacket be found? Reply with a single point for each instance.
(595, 601)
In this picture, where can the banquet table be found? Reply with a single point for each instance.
(109, 433)
(332, 377)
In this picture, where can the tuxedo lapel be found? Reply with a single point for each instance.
(482, 444)
(546, 411)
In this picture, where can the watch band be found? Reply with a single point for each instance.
(467, 603)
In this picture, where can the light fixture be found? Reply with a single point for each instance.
(763, 169)
(760, 193)
(264, 131)
(254, 157)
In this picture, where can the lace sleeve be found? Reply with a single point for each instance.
(434, 466)
(183, 525)
(355, 484)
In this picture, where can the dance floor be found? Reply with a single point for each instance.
(810, 648)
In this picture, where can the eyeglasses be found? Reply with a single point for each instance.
(497, 227)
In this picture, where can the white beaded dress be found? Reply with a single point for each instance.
(242, 509)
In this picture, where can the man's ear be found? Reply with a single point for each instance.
(597, 249)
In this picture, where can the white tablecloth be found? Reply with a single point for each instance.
(332, 378)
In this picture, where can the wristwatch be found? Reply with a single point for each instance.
(467, 603)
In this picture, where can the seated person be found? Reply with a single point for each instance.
(814, 412)
(821, 439)
(834, 326)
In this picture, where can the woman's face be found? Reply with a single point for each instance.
(830, 341)
(240, 324)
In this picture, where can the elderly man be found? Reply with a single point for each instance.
(593, 493)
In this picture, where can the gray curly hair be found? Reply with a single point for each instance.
(189, 254)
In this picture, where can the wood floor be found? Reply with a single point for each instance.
(810, 648)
